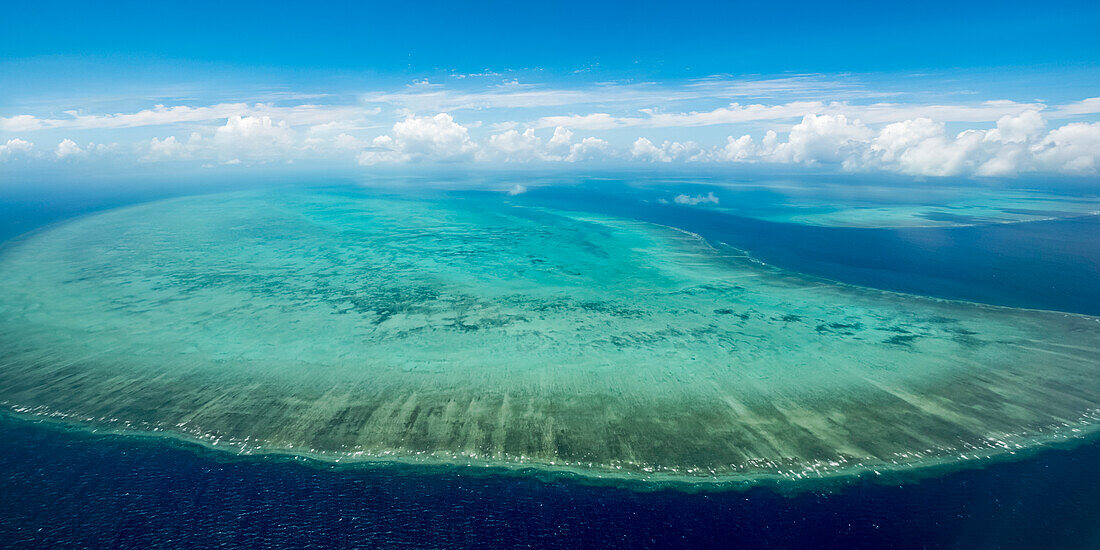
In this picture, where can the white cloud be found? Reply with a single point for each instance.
(601, 106)
(1005, 162)
(436, 138)
(668, 151)
(741, 149)
(1017, 143)
(589, 148)
(68, 148)
(880, 113)
(643, 149)
(526, 97)
(257, 137)
(161, 115)
(1017, 129)
(1073, 148)
(340, 126)
(561, 147)
(167, 148)
(513, 146)
(920, 147)
(810, 120)
(15, 147)
(20, 123)
(594, 121)
(737, 114)
(1089, 106)
(733, 114)
(822, 138)
(899, 137)
(696, 199)
(517, 189)
(561, 141)
(254, 133)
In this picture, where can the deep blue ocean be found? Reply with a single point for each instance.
(62, 488)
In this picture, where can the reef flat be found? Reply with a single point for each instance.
(352, 327)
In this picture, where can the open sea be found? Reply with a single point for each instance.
(66, 488)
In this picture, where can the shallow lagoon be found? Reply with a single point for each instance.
(355, 327)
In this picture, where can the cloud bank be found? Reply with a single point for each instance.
(919, 147)
(611, 123)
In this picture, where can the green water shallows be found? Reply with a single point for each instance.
(468, 330)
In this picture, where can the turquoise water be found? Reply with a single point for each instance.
(840, 206)
(355, 326)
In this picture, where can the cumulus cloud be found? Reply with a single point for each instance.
(68, 148)
(669, 151)
(921, 147)
(918, 147)
(1001, 139)
(168, 148)
(561, 141)
(258, 135)
(589, 148)
(637, 105)
(1073, 148)
(741, 149)
(513, 146)
(436, 138)
(15, 147)
(1017, 129)
(643, 149)
(822, 138)
(253, 137)
(696, 199)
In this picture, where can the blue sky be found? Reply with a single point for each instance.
(932, 89)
